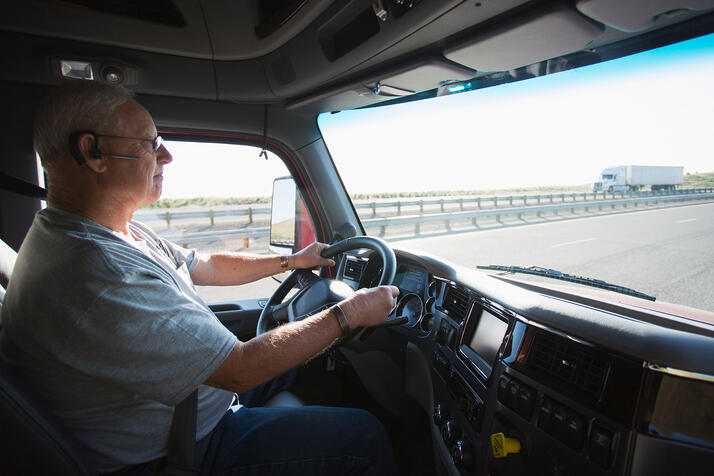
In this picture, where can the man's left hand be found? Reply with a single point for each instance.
(309, 257)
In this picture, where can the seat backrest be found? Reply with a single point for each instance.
(33, 441)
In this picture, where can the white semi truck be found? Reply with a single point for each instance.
(633, 177)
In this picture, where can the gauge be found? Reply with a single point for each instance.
(427, 322)
(412, 307)
(430, 304)
(434, 288)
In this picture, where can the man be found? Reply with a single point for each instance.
(104, 320)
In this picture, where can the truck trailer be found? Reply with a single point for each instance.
(634, 177)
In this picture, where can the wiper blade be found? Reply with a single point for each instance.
(552, 273)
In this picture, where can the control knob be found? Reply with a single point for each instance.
(440, 413)
(449, 431)
(462, 454)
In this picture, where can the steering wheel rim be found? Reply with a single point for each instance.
(275, 308)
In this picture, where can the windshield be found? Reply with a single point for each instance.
(512, 174)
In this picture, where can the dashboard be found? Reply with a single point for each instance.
(520, 378)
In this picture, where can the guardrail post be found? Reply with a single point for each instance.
(399, 208)
(421, 207)
(538, 199)
(551, 198)
(473, 222)
(382, 230)
(250, 215)
(447, 224)
(168, 219)
(374, 208)
(495, 202)
(525, 200)
(210, 215)
(441, 202)
(461, 203)
(417, 228)
(510, 200)
(562, 198)
(478, 202)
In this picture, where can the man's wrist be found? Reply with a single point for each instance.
(285, 262)
(341, 319)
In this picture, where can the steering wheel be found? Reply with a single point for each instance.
(318, 293)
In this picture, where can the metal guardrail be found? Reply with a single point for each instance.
(645, 198)
(538, 210)
(487, 202)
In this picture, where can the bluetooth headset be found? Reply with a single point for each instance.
(94, 153)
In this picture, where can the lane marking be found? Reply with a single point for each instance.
(573, 242)
(686, 221)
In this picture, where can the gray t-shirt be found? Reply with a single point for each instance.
(112, 334)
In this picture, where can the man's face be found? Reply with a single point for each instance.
(134, 182)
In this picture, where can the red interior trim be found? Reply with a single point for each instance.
(284, 152)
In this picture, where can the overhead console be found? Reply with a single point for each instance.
(513, 396)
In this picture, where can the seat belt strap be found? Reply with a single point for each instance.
(16, 185)
(182, 439)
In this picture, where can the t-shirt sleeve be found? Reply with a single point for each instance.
(141, 334)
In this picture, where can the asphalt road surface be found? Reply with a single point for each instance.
(667, 253)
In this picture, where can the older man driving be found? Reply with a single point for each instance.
(103, 319)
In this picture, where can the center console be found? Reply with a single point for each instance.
(515, 397)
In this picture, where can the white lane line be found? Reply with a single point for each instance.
(686, 221)
(573, 242)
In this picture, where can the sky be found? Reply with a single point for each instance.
(654, 108)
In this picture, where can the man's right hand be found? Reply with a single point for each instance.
(369, 306)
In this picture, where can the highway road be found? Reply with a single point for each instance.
(667, 252)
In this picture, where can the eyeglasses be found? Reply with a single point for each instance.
(155, 142)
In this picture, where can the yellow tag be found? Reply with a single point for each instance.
(498, 445)
(502, 446)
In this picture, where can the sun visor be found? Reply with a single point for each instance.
(530, 38)
(638, 15)
(426, 75)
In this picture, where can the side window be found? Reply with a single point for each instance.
(216, 198)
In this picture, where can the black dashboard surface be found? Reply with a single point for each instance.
(581, 383)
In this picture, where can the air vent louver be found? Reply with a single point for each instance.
(456, 302)
(569, 362)
(354, 268)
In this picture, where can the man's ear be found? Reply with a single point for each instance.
(88, 151)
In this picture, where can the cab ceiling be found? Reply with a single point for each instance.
(313, 55)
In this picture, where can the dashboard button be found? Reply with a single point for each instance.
(526, 399)
(574, 431)
(503, 382)
(514, 389)
(600, 446)
(545, 415)
(560, 417)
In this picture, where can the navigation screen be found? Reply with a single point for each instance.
(410, 279)
(488, 337)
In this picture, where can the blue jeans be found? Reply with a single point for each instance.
(310, 440)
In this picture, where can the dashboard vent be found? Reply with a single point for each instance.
(572, 363)
(456, 302)
(354, 268)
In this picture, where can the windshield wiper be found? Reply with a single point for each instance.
(552, 273)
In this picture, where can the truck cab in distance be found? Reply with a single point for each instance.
(625, 178)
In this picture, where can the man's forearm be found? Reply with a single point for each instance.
(267, 355)
(231, 269)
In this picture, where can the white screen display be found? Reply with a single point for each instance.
(488, 336)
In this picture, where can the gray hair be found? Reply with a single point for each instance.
(73, 107)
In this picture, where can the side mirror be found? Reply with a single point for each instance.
(291, 227)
